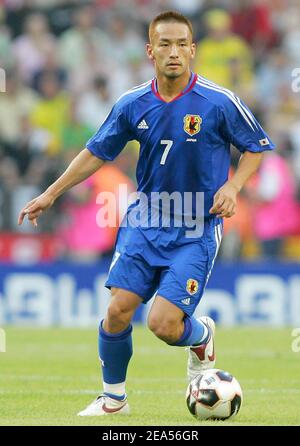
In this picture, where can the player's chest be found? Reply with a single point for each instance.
(190, 123)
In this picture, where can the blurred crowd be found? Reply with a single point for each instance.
(66, 62)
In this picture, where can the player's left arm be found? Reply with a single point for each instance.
(240, 128)
(225, 199)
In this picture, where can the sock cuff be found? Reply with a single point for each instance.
(115, 397)
(205, 337)
(186, 332)
(114, 336)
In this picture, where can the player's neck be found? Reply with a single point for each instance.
(169, 88)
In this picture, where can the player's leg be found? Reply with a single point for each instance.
(115, 351)
(115, 341)
(132, 282)
(203, 356)
(183, 284)
(170, 324)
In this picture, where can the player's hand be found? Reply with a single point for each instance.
(225, 201)
(34, 208)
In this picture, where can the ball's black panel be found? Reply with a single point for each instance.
(235, 405)
(208, 397)
(224, 376)
(191, 406)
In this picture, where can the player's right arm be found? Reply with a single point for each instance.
(82, 166)
(104, 145)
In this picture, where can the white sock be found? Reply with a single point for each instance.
(116, 389)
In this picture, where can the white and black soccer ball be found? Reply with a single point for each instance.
(214, 395)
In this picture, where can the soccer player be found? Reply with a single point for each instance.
(185, 125)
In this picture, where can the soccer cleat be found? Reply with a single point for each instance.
(202, 357)
(104, 405)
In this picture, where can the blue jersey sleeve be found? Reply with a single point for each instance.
(112, 136)
(240, 127)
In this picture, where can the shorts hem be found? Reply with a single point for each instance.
(190, 313)
(109, 285)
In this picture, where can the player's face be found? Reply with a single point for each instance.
(171, 48)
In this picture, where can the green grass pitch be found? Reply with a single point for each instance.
(48, 375)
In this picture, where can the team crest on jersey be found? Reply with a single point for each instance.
(192, 124)
(192, 286)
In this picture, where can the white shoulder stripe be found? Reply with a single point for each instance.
(234, 97)
(144, 84)
(236, 101)
(232, 100)
(134, 89)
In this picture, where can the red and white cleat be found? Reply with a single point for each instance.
(202, 357)
(104, 405)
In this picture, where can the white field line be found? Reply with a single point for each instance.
(95, 378)
(137, 392)
(164, 350)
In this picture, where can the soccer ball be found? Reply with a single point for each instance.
(214, 395)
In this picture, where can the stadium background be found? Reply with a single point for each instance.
(66, 62)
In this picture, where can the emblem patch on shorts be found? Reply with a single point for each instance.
(192, 286)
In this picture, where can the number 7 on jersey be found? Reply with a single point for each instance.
(168, 144)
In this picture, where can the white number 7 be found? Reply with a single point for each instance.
(169, 144)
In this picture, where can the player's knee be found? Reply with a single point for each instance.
(164, 329)
(116, 314)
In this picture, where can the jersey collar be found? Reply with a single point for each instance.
(188, 88)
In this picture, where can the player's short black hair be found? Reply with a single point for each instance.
(170, 16)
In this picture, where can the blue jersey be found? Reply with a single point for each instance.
(185, 143)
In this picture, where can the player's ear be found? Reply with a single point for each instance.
(149, 51)
(193, 50)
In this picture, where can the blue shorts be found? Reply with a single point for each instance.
(178, 272)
